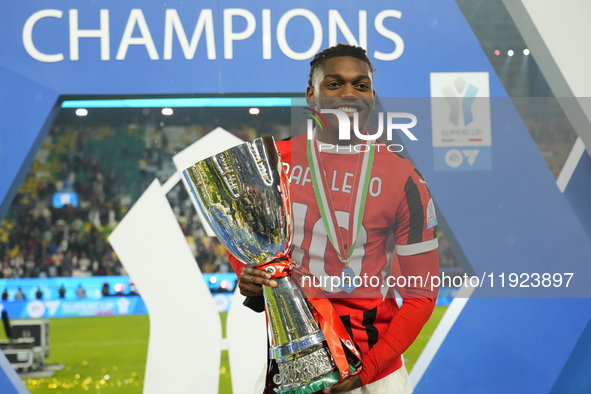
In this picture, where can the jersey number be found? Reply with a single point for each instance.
(319, 243)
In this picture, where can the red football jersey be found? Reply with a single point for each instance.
(399, 219)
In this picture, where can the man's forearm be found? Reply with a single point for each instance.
(404, 328)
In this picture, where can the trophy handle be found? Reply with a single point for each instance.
(262, 153)
(225, 170)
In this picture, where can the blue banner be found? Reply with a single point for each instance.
(121, 299)
(93, 286)
(108, 306)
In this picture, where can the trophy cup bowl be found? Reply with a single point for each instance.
(243, 194)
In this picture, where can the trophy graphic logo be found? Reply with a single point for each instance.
(244, 195)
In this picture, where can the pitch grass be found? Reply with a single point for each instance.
(414, 351)
(100, 354)
(108, 354)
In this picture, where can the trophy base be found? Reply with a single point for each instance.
(308, 371)
(299, 347)
(314, 386)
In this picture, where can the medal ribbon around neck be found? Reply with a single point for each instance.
(324, 199)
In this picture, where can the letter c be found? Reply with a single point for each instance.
(28, 36)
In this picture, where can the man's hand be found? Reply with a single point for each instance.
(344, 386)
(251, 281)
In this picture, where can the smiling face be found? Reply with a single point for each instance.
(343, 83)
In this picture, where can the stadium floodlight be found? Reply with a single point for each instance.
(254, 111)
(81, 112)
(526, 52)
(510, 52)
(166, 111)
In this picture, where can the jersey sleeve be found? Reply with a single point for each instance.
(235, 263)
(404, 328)
(284, 149)
(416, 221)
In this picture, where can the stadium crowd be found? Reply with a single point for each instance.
(108, 168)
(40, 240)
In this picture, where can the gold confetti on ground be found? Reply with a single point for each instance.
(97, 384)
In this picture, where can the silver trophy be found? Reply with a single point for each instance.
(244, 195)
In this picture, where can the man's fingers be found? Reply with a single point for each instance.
(251, 281)
(344, 386)
(257, 280)
(258, 277)
(335, 388)
(256, 272)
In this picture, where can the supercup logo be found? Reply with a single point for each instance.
(461, 121)
(317, 120)
(460, 98)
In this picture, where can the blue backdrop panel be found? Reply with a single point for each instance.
(510, 218)
(10, 383)
(575, 377)
(578, 192)
(513, 357)
(27, 110)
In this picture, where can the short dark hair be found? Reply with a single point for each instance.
(337, 51)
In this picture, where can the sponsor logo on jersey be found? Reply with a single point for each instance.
(431, 218)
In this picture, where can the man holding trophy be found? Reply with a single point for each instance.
(357, 211)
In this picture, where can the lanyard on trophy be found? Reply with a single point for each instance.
(326, 206)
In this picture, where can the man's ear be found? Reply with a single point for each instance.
(310, 99)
